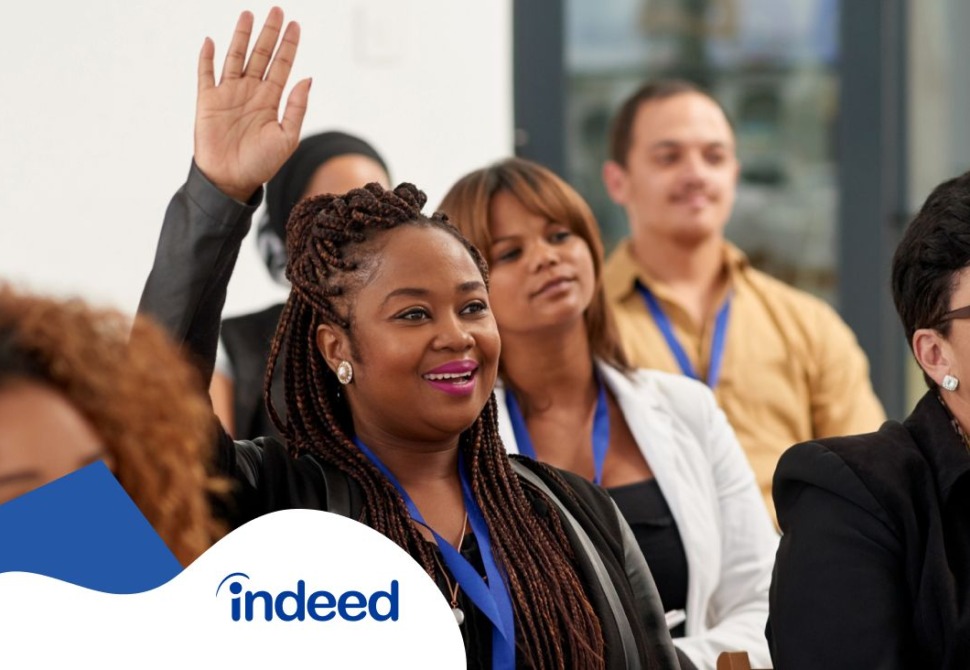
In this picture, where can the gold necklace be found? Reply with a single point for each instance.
(453, 590)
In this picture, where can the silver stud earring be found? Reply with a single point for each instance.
(950, 382)
(345, 372)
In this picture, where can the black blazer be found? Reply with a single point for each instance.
(873, 569)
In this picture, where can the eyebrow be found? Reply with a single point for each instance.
(470, 286)
(668, 144)
(22, 475)
(415, 292)
(510, 238)
(26, 475)
(408, 292)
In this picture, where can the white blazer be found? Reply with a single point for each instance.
(728, 537)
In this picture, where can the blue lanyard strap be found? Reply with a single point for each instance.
(492, 599)
(667, 329)
(601, 430)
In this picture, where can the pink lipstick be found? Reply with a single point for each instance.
(454, 378)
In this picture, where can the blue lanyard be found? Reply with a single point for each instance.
(601, 430)
(492, 599)
(717, 343)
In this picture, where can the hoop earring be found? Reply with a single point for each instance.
(950, 383)
(345, 372)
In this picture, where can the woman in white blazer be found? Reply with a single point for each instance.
(657, 442)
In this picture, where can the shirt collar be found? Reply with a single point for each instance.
(622, 272)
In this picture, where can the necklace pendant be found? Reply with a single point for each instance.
(459, 615)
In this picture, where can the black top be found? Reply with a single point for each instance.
(248, 339)
(873, 569)
(476, 631)
(645, 509)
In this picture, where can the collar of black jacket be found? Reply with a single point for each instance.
(941, 445)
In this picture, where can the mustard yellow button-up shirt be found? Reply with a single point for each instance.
(791, 371)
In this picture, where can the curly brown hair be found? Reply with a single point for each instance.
(331, 242)
(144, 401)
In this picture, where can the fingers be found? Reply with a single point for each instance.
(206, 72)
(236, 56)
(296, 105)
(265, 43)
(279, 69)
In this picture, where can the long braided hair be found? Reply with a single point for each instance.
(328, 248)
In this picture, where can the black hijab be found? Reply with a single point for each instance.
(286, 189)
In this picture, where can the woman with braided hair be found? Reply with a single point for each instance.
(328, 162)
(392, 354)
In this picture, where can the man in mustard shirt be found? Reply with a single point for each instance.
(783, 365)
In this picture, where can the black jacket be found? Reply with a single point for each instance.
(269, 479)
(248, 340)
(873, 569)
(186, 290)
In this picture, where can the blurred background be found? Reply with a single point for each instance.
(847, 113)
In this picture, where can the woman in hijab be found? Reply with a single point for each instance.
(329, 162)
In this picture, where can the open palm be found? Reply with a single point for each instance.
(240, 141)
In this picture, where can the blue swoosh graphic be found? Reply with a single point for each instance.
(84, 529)
(228, 577)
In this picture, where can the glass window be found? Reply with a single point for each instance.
(772, 64)
(939, 104)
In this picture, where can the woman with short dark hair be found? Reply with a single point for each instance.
(874, 565)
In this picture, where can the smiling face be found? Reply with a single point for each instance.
(681, 170)
(423, 342)
(42, 437)
(542, 273)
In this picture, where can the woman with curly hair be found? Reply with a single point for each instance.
(79, 385)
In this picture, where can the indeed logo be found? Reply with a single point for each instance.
(297, 605)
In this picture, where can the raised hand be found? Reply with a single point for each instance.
(240, 143)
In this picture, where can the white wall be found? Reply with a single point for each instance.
(97, 100)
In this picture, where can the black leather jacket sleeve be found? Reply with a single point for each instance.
(197, 250)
